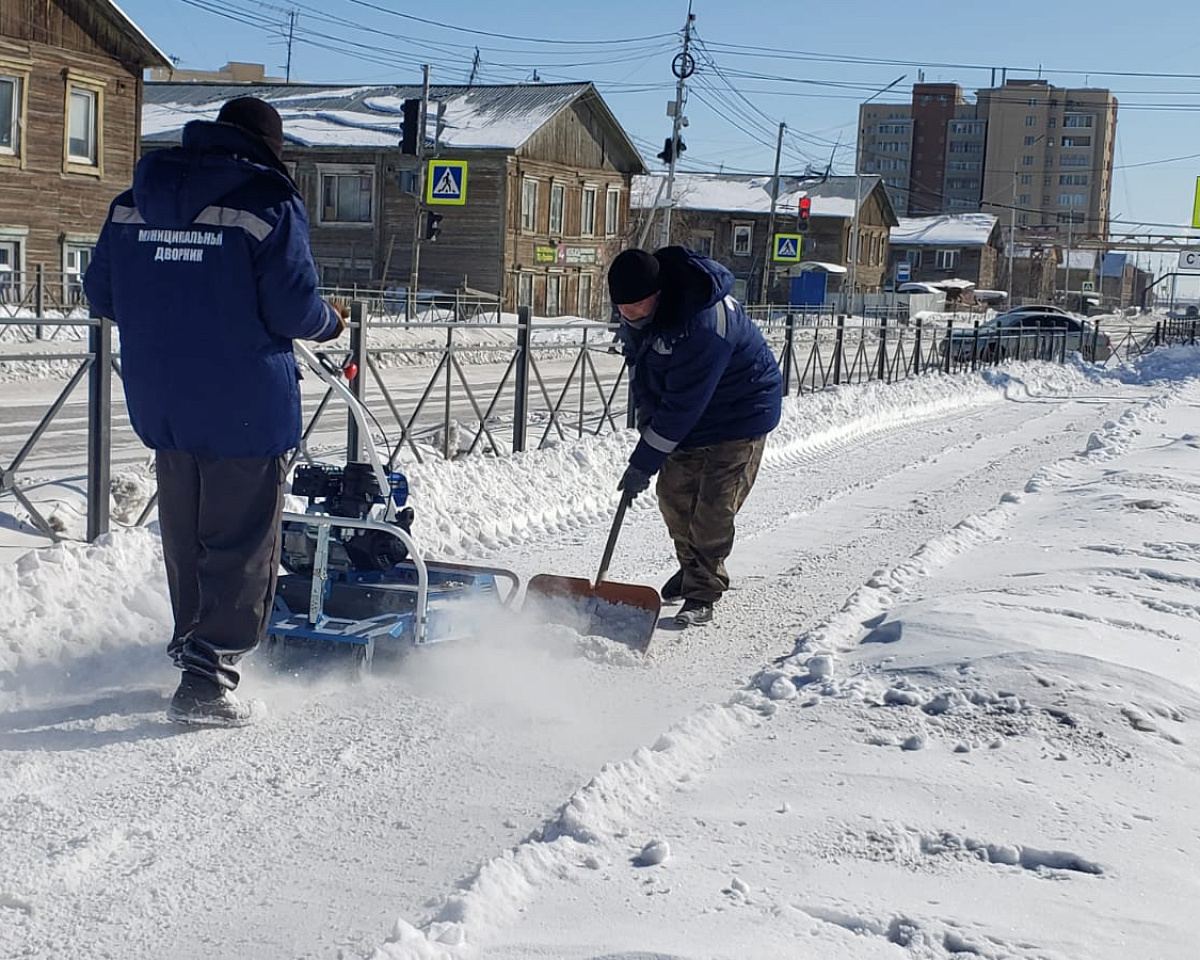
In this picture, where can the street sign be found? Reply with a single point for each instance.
(1189, 260)
(787, 247)
(1087, 286)
(447, 182)
(903, 271)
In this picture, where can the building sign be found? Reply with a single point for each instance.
(1196, 206)
(447, 180)
(566, 256)
(1189, 260)
(787, 247)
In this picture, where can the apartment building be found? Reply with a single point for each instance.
(1046, 151)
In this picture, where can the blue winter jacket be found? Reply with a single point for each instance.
(205, 266)
(701, 371)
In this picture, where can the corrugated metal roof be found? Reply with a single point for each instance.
(475, 117)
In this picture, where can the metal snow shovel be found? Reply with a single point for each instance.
(625, 612)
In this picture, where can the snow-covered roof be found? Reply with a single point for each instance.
(956, 229)
(501, 117)
(749, 193)
(149, 53)
(1079, 260)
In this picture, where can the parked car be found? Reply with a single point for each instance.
(1028, 335)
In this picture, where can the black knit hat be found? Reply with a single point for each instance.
(257, 117)
(633, 276)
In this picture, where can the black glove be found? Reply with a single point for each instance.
(634, 481)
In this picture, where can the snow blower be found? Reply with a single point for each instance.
(355, 586)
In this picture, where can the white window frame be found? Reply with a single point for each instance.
(948, 259)
(18, 239)
(72, 247)
(17, 73)
(529, 199)
(325, 170)
(612, 211)
(587, 211)
(583, 296)
(699, 238)
(554, 281)
(558, 206)
(92, 89)
(746, 248)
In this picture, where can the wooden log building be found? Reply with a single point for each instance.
(70, 112)
(546, 197)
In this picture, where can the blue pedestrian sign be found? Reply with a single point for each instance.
(903, 271)
(446, 182)
(787, 247)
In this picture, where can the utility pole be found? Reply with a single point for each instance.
(415, 277)
(683, 66)
(291, 33)
(770, 248)
(1012, 239)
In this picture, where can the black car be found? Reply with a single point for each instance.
(1027, 334)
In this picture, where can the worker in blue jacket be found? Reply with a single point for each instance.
(206, 269)
(707, 391)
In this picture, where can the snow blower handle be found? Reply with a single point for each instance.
(611, 545)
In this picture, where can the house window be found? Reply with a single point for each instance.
(11, 100)
(1077, 120)
(76, 257)
(529, 193)
(743, 239)
(702, 243)
(612, 211)
(584, 304)
(84, 145)
(556, 209)
(1026, 179)
(346, 196)
(554, 283)
(11, 278)
(913, 257)
(525, 290)
(1027, 161)
(947, 259)
(1031, 121)
(587, 213)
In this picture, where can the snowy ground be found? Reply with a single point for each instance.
(945, 712)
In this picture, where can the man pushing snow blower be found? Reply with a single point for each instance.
(707, 391)
(206, 269)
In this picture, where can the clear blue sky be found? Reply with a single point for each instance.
(817, 69)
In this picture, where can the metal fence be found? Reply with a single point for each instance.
(530, 385)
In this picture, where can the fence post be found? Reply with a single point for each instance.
(521, 400)
(449, 387)
(1095, 338)
(975, 347)
(949, 345)
(357, 386)
(583, 383)
(918, 356)
(99, 473)
(39, 297)
(882, 358)
(1158, 333)
(837, 349)
(1193, 343)
(789, 335)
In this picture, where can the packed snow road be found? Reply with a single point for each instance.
(356, 804)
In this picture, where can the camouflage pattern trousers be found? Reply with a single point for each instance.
(700, 492)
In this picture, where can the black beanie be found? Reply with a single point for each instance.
(633, 276)
(257, 117)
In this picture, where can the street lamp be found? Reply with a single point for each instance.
(853, 277)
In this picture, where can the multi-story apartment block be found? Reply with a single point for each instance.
(1037, 156)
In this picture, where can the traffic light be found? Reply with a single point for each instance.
(671, 150)
(805, 212)
(433, 225)
(411, 110)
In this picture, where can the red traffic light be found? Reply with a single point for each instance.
(805, 207)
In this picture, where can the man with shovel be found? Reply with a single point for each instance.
(707, 391)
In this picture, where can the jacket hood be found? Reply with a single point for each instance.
(690, 283)
(171, 187)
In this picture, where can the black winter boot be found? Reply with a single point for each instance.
(203, 702)
(693, 613)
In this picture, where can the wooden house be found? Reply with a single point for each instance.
(70, 111)
(728, 217)
(965, 246)
(545, 204)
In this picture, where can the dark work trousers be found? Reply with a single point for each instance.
(220, 521)
(700, 492)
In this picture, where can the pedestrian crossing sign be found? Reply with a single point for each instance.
(787, 247)
(446, 182)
